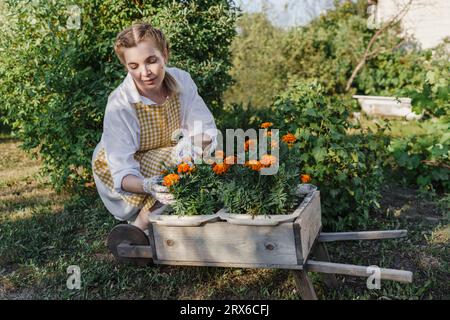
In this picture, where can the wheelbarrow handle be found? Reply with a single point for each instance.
(362, 235)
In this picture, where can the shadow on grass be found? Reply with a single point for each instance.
(35, 253)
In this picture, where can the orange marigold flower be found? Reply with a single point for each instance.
(254, 165)
(171, 179)
(184, 168)
(306, 178)
(289, 138)
(220, 168)
(249, 143)
(230, 160)
(268, 160)
(266, 125)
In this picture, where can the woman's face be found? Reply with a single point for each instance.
(146, 64)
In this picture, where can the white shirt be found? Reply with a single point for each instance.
(121, 130)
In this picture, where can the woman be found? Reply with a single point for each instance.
(141, 117)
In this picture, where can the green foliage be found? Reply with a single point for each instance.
(432, 97)
(256, 61)
(269, 60)
(246, 191)
(197, 192)
(424, 159)
(393, 73)
(55, 80)
(236, 115)
(328, 49)
(346, 168)
(239, 188)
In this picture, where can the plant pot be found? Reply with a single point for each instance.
(305, 189)
(162, 218)
(271, 219)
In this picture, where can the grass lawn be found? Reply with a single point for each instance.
(42, 233)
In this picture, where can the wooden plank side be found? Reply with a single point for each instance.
(310, 222)
(223, 242)
(228, 265)
(151, 238)
(298, 243)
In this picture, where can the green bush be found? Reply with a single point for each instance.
(238, 115)
(432, 96)
(424, 160)
(55, 80)
(347, 168)
(393, 73)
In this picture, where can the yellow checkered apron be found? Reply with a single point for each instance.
(157, 123)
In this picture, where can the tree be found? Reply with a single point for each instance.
(391, 25)
(57, 67)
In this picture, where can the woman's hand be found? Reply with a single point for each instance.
(154, 187)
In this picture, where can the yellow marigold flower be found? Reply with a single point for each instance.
(266, 125)
(289, 138)
(268, 160)
(171, 179)
(220, 168)
(306, 178)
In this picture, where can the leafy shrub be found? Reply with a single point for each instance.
(55, 80)
(347, 168)
(393, 73)
(432, 97)
(238, 115)
(424, 159)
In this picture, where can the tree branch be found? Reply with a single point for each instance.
(367, 54)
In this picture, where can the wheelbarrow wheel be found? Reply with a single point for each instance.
(129, 234)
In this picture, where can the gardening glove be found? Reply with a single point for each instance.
(154, 187)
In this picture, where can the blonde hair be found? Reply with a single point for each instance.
(137, 33)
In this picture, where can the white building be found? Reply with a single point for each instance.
(428, 21)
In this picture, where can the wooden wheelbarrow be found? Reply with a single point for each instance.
(286, 245)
